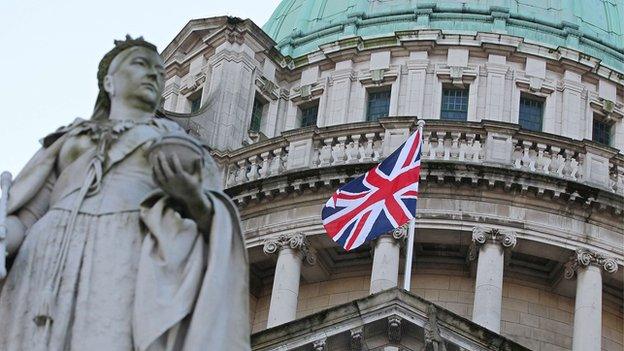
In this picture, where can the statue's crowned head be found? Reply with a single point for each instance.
(131, 73)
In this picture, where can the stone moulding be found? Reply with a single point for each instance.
(395, 308)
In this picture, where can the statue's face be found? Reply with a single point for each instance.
(138, 80)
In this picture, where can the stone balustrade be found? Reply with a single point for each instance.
(488, 143)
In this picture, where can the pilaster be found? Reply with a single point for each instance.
(416, 80)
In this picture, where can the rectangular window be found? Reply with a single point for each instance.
(195, 101)
(454, 104)
(256, 114)
(601, 131)
(309, 114)
(378, 105)
(531, 112)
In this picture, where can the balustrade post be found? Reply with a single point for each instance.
(300, 152)
(596, 165)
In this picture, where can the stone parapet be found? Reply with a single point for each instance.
(499, 146)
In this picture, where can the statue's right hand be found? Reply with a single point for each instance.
(15, 234)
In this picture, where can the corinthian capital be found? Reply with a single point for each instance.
(295, 241)
(585, 258)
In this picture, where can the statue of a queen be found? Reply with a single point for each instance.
(118, 244)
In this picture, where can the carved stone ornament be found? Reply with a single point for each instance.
(296, 241)
(394, 329)
(357, 339)
(481, 235)
(400, 233)
(267, 87)
(584, 258)
(319, 345)
(433, 340)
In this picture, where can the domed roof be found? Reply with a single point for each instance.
(595, 27)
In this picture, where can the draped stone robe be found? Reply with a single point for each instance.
(136, 274)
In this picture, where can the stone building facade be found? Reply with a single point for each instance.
(520, 229)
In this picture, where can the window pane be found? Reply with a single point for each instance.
(601, 132)
(256, 115)
(378, 105)
(454, 104)
(308, 115)
(531, 112)
(195, 101)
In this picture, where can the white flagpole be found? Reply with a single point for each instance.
(407, 279)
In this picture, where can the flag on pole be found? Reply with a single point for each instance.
(377, 202)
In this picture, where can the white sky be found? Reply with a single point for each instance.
(50, 49)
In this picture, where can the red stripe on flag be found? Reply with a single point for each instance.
(412, 151)
(344, 196)
(357, 230)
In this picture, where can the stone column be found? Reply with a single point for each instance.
(587, 266)
(291, 250)
(385, 274)
(489, 246)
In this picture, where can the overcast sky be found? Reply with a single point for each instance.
(50, 49)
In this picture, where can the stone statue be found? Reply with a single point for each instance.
(121, 237)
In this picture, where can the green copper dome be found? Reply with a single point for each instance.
(595, 27)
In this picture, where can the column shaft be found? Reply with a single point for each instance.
(588, 310)
(489, 287)
(385, 273)
(283, 307)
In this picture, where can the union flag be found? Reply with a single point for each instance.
(377, 202)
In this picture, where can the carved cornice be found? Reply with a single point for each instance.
(267, 87)
(295, 241)
(308, 92)
(535, 84)
(584, 258)
(458, 76)
(378, 77)
(482, 235)
(612, 110)
(190, 83)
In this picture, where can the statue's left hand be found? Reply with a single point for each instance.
(184, 187)
(174, 180)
